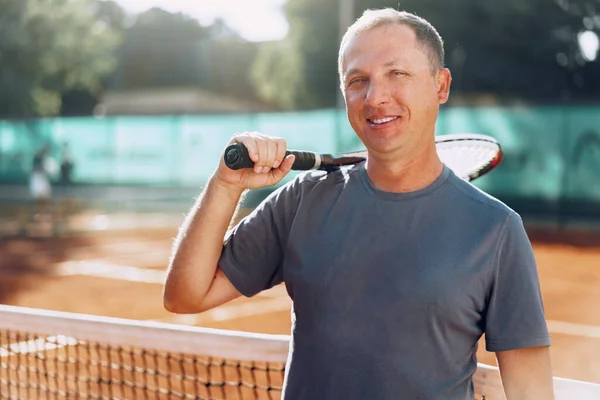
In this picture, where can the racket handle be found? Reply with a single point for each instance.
(236, 157)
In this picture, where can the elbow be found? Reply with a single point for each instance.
(174, 295)
(171, 305)
(176, 303)
(172, 302)
(175, 306)
(169, 302)
(181, 308)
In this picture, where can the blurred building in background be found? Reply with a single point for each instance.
(173, 101)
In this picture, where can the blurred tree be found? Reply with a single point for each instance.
(300, 72)
(163, 49)
(514, 51)
(159, 49)
(81, 102)
(278, 75)
(231, 58)
(525, 50)
(47, 48)
(111, 13)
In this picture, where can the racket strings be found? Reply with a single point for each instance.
(466, 159)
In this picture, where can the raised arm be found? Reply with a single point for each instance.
(194, 283)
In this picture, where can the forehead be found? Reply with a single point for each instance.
(381, 45)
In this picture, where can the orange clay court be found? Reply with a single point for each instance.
(119, 274)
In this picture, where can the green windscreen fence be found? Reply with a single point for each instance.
(552, 153)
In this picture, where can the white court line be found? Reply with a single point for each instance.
(104, 269)
(570, 328)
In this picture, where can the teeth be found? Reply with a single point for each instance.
(383, 120)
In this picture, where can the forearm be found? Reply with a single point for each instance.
(198, 247)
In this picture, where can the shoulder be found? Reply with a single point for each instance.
(476, 199)
(476, 210)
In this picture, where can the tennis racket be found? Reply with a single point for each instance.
(469, 155)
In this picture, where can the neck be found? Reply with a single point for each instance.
(405, 174)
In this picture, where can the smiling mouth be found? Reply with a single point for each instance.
(381, 121)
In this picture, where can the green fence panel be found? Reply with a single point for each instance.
(145, 150)
(531, 138)
(311, 130)
(581, 152)
(92, 147)
(202, 141)
(552, 154)
(19, 140)
(14, 161)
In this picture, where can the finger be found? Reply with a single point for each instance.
(271, 153)
(250, 144)
(261, 149)
(280, 152)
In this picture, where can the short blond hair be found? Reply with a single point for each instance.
(426, 35)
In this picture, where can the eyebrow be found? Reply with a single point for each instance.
(392, 63)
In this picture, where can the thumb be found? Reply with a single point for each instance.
(284, 168)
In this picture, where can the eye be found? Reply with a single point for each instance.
(398, 73)
(356, 81)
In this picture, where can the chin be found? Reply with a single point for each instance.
(383, 139)
(381, 148)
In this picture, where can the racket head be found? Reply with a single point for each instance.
(469, 155)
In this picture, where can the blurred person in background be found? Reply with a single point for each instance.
(40, 213)
(396, 267)
(67, 202)
(40, 185)
(67, 165)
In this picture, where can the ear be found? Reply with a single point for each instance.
(443, 79)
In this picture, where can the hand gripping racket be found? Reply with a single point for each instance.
(469, 155)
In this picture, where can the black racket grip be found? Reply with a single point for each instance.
(236, 157)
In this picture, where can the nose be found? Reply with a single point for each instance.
(377, 94)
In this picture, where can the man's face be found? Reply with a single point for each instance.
(392, 97)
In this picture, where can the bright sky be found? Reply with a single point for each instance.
(255, 20)
(589, 44)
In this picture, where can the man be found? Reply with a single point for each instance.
(395, 266)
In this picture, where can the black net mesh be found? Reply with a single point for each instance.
(58, 367)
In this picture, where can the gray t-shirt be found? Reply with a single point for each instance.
(391, 291)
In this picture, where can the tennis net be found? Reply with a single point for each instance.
(57, 355)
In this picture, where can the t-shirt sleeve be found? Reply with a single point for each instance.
(515, 315)
(253, 250)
